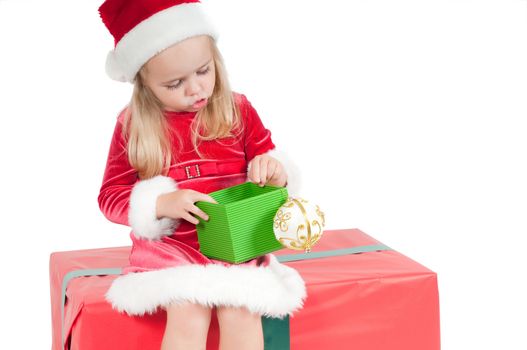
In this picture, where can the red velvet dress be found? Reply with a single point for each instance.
(172, 259)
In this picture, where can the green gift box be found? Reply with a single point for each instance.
(240, 226)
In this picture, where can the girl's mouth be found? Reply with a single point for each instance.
(200, 103)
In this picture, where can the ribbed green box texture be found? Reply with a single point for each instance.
(240, 226)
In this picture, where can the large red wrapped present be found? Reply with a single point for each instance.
(360, 295)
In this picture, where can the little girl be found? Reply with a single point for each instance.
(185, 134)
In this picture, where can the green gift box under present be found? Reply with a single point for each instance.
(240, 225)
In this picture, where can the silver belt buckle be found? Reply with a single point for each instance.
(187, 170)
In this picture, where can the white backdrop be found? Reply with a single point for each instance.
(406, 117)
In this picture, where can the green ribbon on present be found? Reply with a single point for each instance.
(335, 252)
(275, 330)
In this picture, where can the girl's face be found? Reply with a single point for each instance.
(182, 77)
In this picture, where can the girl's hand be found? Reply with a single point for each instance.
(180, 205)
(264, 169)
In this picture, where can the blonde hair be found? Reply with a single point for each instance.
(146, 131)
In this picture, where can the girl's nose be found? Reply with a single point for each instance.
(193, 87)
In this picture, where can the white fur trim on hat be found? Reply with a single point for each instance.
(155, 34)
(275, 290)
(142, 214)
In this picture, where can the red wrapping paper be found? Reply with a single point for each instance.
(369, 301)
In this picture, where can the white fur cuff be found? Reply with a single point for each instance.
(293, 172)
(142, 214)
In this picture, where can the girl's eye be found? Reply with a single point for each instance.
(179, 82)
(175, 86)
(205, 71)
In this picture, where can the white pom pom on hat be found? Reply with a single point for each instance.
(143, 28)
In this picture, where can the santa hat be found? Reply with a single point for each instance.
(143, 28)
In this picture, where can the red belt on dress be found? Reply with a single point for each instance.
(208, 169)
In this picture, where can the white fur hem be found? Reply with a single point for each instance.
(274, 291)
(142, 214)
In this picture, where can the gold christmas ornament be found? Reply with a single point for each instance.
(298, 224)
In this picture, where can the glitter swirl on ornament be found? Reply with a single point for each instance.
(298, 224)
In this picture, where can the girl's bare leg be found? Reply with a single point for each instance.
(239, 329)
(187, 327)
